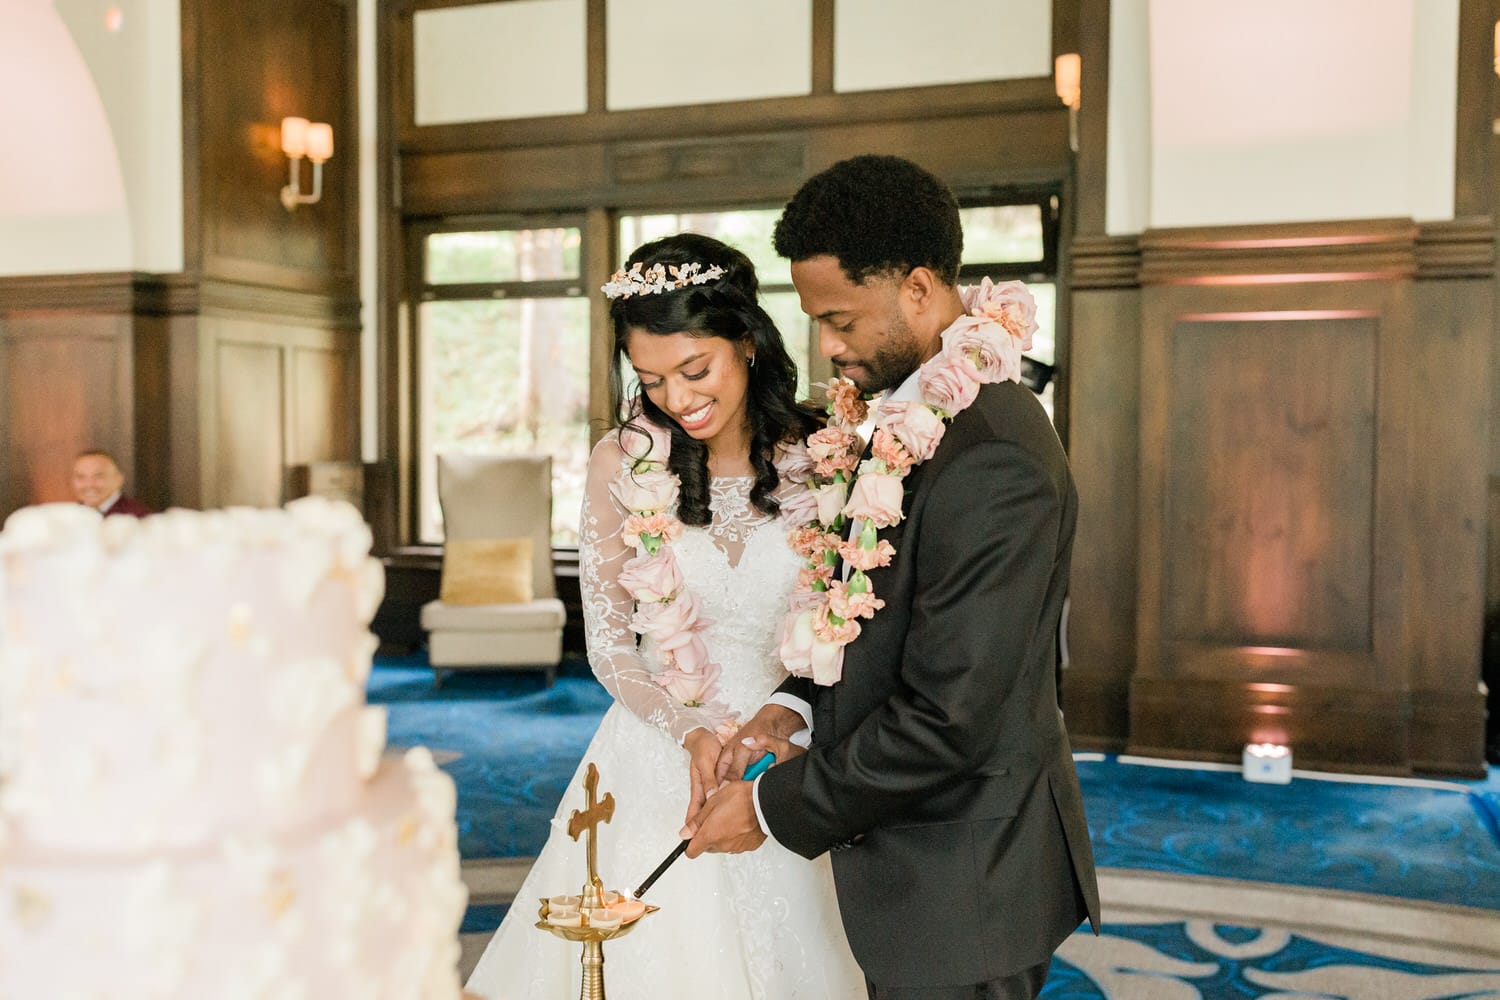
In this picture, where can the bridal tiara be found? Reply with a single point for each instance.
(641, 280)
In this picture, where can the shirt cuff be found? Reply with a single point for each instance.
(796, 704)
(760, 817)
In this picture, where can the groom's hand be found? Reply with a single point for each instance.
(726, 824)
(775, 721)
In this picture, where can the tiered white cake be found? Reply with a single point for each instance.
(193, 802)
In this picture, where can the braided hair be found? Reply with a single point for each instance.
(726, 307)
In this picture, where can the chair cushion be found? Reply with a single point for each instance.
(487, 571)
(543, 613)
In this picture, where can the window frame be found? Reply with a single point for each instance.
(417, 231)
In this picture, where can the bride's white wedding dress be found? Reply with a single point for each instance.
(756, 926)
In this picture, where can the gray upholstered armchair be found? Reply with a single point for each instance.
(499, 606)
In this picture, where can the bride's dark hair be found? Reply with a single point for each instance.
(725, 307)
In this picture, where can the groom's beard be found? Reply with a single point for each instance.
(896, 358)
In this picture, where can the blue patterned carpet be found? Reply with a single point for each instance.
(512, 745)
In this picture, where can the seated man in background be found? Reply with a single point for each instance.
(98, 483)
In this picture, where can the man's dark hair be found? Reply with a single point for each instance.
(875, 215)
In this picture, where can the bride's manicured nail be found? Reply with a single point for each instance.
(749, 741)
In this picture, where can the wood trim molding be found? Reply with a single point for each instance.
(1105, 262)
(1362, 249)
(822, 46)
(1474, 141)
(280, 304)
(1459, 248)
(1355, 729)
(1288, 252)
(736, 117)
(114, 292)
(1093, 115)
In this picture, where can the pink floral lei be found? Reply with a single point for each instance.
(982, 346)
(665, 609)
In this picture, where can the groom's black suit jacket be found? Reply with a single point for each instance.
(940, 773)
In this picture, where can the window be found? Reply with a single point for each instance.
(502, 342)
(1017, 241)
(748, 231)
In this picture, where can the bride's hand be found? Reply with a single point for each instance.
(703, 749)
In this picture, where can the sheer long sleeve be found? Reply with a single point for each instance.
(614, 654)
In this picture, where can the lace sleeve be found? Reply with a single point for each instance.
(607, 607)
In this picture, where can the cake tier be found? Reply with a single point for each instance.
(167, 681)
(366, 908)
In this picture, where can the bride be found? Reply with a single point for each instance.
(684, 543)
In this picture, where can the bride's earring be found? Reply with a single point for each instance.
(750, 361)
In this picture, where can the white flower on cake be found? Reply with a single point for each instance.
(250, 860)
(159, 925)
(370, 737)
(304, 696)
(357, 667)
(280, 775)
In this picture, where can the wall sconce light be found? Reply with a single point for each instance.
(1067, 69)
(313, 140)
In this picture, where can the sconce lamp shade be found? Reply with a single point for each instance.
(294, 137)
(1497, 47)
(319, 142)
(1068, 70)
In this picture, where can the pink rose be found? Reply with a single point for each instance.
(643, 442)
(948, 383)
(663, 619)
(915, 426)
(692, 688)
(994, 354)
(830, 500)
(805, 654)
(877, 499)
(684, 651)
(652, 578)
(845, 404)
(1011, 305)
(794, 463)
(644, 492)
(798, 508)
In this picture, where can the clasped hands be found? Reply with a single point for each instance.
(721, 810)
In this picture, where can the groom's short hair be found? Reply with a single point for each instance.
(876, 215)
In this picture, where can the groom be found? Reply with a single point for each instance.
(940, 774)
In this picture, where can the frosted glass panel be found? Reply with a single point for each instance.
(674, 52)
(879, 44)
(1340, 109)
(519, 59)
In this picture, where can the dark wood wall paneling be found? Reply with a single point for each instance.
(278, 339)
(210, 386)
(1284, 438)
(1309, 462)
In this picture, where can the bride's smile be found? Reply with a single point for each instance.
(700, 382)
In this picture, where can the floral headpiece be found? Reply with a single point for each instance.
(640, 280)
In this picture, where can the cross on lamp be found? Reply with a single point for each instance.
(587, 822)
